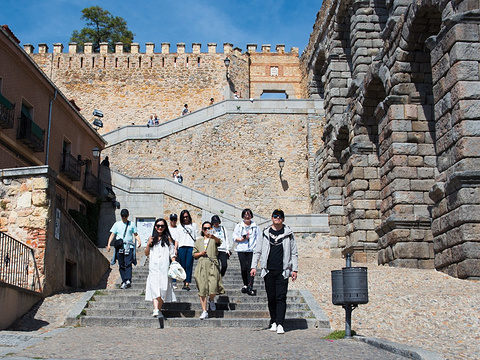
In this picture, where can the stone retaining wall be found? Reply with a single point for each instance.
(400, 81)
(64, 255)
(233, 157)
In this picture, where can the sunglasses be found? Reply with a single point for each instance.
(159, 226)
(206, 228)
(277, 217)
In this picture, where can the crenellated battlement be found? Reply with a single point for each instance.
(73, 48)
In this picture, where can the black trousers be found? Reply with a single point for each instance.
(125, 265)
(245, 259)
(276, 287)
(222, 260)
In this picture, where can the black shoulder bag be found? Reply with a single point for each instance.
(118, 243)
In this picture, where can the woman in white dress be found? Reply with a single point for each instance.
(161, 249)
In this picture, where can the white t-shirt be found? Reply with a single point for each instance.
(186, 235)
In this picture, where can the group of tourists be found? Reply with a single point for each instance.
(274, 248)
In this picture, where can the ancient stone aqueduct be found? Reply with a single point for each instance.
(396, 145)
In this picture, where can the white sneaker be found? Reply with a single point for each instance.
(128, 284)
(204, 315)
(213, 307)
(273, 327)
(155, 313)
(174, 285)
(123, 286)
(280, 329)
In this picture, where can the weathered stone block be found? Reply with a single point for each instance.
(465, 90)
(469, 269)
(467, 250)
(411, 250)
(24, 200)
(40, 198)
(462, 51)
(358, 236)
(421, 185)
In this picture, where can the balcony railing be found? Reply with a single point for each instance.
(31, 134)
(91, 185)
(17, 264)
(71, 167)
(7, 113)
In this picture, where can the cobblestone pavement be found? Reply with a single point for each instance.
(197, 343)
(420, 308)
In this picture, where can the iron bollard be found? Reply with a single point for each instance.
(349, 289)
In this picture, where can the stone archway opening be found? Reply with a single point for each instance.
(274, 94)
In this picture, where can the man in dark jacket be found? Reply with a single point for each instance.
(278, 255)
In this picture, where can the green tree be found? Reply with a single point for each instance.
(101, 26)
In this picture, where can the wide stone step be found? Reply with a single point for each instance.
(193, 297)
(151, 322)
(192, 313)
(180, 306)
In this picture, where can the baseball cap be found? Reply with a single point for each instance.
(124, 212)
(173, 217)
(279, 212)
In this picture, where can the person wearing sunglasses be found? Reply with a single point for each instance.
(278, 255)
(161, 250)
(207, 273)
(186, 236)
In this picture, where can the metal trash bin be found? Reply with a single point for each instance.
(355, 287)
(349, 289)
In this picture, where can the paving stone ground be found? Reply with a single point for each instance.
(419, 308)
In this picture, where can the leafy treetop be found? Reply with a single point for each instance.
(101, 26)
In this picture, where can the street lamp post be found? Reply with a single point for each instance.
(281, 164)
(227, 64)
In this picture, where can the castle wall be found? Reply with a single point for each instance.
(233, 157)
(130, 87)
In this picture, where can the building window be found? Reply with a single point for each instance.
(273, 70)
(29, 132)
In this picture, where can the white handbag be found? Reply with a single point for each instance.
(176, 271)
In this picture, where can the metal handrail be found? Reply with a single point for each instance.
(17, 264)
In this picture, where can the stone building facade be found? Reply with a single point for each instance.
(47, 167)
(398, 173)
(274, 72)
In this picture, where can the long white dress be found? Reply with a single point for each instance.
(158, 282)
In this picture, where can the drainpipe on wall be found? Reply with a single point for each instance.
(49, 126)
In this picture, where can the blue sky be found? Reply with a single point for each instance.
(239, 22)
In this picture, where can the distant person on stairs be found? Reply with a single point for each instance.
(278, 255)
(207, 273)
(127, 231)
(161, 250)
(245, 236)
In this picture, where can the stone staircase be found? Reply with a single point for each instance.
(128, 307)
